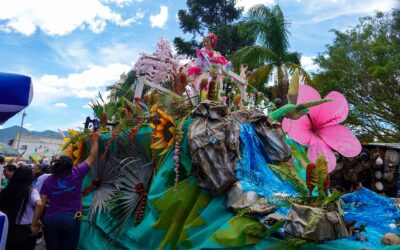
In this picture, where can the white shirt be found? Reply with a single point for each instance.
(38, 183)
(27, 216)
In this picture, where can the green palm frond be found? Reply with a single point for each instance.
(335, 196)
(260, 77)
(304, 75)
(298, 185)
(254, 56)
(286, 201)
(270, 27)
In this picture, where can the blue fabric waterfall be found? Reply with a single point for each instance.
(253, 172)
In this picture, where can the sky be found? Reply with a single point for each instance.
(72, 49)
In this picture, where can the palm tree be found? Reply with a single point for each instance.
(123, 88)
(272, 58)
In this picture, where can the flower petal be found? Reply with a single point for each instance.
(340, 139)
(333, 112)
(306, 94)
(299, 130)
(318, 147)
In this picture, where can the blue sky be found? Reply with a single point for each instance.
(72, 48)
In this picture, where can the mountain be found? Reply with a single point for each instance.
(10, 133)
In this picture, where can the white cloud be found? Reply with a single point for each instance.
(139, 15)
(59, 17)
(122, 3)
(86, 84)
(308, 64)
(28, 126)
(161, 18)
(323, 10)
(247, 4)
(78, 55)
(86, 106)
(60, 105)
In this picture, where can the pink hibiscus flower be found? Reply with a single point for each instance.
(320, 130)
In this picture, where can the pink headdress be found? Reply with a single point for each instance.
(214, 40)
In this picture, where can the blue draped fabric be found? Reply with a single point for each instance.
(253, 172)
(16, 93)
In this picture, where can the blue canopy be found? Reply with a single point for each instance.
(16, 93)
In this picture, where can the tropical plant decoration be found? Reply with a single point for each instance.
(317, 177)
(104, 186)
(132, 196)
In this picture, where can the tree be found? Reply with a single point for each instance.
(123, 88)
(364, 64)
(217, 16)
(272, 58)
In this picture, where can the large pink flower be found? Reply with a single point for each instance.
(320, 130)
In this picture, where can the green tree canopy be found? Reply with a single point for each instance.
(220, 17)
(364, 64)
(271, 57)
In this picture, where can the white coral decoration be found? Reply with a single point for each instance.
(160, 66)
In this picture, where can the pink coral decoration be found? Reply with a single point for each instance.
(320, 129)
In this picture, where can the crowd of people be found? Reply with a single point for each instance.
(41, 198)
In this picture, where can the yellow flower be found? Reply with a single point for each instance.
(164, 131)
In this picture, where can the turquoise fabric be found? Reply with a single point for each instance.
(186, 218)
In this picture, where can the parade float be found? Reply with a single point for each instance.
(197, 158)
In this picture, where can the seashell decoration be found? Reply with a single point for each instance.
(392, 157)
(379, 161)
(378, 175)
(379, 186)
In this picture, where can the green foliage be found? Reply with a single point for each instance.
(303, 196)
(219, 17)
(123, 88)
(100, 106)
(364, 64)
(270, 27)
(289, 244)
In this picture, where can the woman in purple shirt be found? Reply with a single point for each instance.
(63, 192)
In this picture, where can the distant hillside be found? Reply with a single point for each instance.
(10, 133)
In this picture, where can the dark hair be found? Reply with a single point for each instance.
(61, 166)
(2, 159)
(11, 167)
(14, 198)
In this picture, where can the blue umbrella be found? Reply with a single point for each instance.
(16, 93)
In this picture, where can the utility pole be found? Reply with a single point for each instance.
(20, 129)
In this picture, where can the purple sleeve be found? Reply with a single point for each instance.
(43, 190)
(82, 169)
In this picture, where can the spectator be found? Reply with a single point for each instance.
(2, 162)
(39, 174)
(18, 201)
(63, 192)
(8, 172)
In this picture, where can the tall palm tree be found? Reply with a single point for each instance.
(271, 58)
(123, 88)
